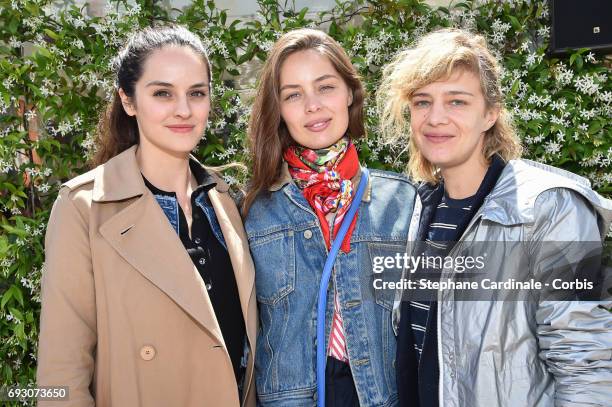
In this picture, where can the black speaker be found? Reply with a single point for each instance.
(580, 24)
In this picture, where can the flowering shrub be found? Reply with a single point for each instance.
(55, 79)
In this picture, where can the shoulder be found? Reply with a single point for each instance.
(386, 185)
(565, 214)
(389, 176)
(75, 196)
(80, 180)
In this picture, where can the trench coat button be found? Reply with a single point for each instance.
(147, 352)
(308, 234)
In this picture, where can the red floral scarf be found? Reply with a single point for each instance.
(324, 176)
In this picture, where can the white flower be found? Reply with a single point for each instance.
(78, 22)
(497, 37)
(588, 114)
(14, 42)
(230, 180)
(5, 166)
(586, 84)
(605, 97)
(43, 188)
(544, 32)
(221, 123)
(500, 26)
(77, 43)
(590, 57)
(49, 9)
(8, 82)
(45, 92)
(64, 127)
(583, 126)
(561, 104)
(134, 10)
(564, 75)
(552, 147)
(559, 121)
(560, 136)
(29, 115)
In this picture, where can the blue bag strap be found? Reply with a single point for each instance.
(327, 269)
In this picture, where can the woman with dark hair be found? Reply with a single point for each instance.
(307, 112)
(147, 293)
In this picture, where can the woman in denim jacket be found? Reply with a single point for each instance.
(307, 112)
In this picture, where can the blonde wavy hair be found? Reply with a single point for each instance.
(435, 57)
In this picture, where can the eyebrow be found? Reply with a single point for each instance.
(319, 79)
(169, 85)
(451, 92)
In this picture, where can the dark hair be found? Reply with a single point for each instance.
(268, 134)
(116, 130)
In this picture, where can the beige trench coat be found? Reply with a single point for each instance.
(126, 319)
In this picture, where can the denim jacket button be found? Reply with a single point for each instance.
(308, 234)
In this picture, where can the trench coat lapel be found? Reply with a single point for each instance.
(142, 235)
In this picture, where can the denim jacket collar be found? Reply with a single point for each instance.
(285, 178)
(120, 178)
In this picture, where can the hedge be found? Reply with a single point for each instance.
(55, 79)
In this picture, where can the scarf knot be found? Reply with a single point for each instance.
(324, 176)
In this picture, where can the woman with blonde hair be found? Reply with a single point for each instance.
(477, 197)
(306, 181)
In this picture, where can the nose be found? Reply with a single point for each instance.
(182, 107)
(312, 103)
(437, 114)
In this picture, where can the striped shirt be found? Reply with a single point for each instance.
(450, 213)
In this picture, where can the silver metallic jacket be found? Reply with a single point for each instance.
(526, 353)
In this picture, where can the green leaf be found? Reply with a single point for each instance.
(17, 294)
(16, 313)
(6, 297)
(51, 34)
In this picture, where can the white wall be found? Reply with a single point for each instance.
(244, 8)
(241, 8)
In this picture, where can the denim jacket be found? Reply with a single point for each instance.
(170, 206)
(289, 252)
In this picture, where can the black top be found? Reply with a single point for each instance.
(213, 263)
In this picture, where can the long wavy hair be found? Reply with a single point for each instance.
(435, 57)
(267, 133)
(116, 130)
